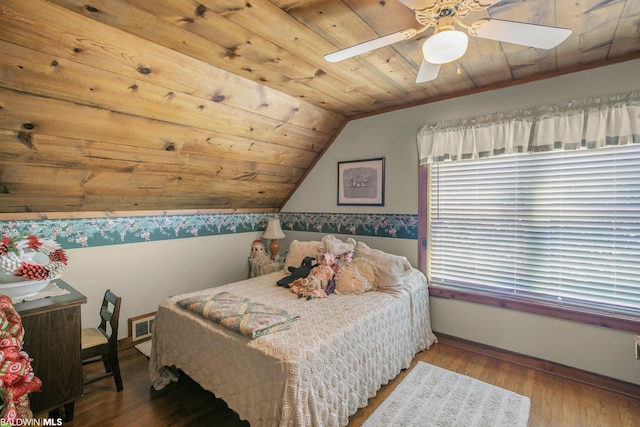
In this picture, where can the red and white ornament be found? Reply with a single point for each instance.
(20, 258)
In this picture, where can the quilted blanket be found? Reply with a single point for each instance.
(239, 314)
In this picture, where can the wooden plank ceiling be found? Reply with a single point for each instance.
(225, 104)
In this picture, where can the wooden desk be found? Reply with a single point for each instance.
(53, 340)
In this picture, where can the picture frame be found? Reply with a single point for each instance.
(361, 182)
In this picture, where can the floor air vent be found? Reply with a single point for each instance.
(140, 327)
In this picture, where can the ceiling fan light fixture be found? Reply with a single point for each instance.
(445, 46)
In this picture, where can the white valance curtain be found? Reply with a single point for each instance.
(578, 124)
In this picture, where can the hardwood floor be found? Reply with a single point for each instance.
(554, 401)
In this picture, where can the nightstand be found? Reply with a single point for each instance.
(271, 267)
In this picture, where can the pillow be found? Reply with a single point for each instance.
(387, 282)
(335, 246)
(298, 251)
(350, 281)
(389, 268)
(367, 270)
(357, 277)
(393, 264)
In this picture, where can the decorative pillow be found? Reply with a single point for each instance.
(335, 246)
(350, 281)
(393, 264)
(387, 282)
(299, 250)
(367, 270)
(389, 269)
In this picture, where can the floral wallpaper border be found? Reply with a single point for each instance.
(84, 232)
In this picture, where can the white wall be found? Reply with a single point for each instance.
(143, 274)
(393, 136)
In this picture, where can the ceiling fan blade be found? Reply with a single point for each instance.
(417, 4)
(538, 36)
(427, 72)
(370, 45)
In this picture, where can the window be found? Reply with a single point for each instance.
(559, 228)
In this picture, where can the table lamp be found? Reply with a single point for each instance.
(273, 232)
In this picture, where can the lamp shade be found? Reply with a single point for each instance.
(273, 230)
(445, 46)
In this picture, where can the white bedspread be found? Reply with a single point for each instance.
(318, 373)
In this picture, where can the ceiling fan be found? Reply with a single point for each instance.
(448, 44)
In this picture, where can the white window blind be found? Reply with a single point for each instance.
(561, 226)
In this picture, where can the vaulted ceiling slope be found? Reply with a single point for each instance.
(225, 104)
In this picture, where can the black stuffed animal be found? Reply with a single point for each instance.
(297, 272)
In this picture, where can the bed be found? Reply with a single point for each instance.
(332, 358)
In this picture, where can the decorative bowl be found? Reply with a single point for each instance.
(17, 289)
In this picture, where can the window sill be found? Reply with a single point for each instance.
(618, 322)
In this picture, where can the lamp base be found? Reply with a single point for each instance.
(274, 248)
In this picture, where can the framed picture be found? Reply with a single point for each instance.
(361, 182)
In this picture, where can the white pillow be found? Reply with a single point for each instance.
(299, 250)
(387, 282)
(335, 246)
(393, 264)
(390, 269)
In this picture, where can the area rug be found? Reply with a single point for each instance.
(144, 348)
(432, 396)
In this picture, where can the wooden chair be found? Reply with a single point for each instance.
(101, 343)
